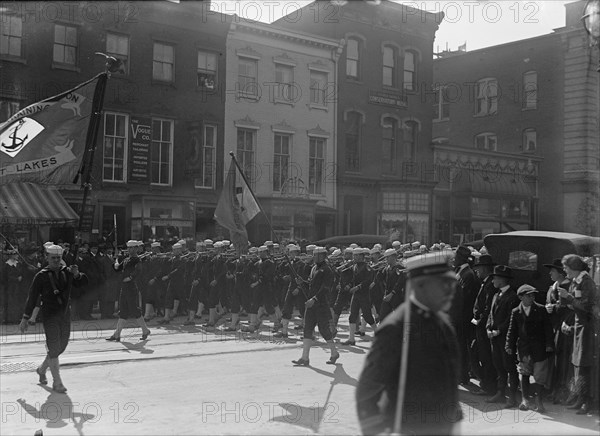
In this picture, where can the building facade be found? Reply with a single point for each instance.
(158, 158)
(280, 122)
(514, 125)
(384, 165)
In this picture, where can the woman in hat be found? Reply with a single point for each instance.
(562, 370)
(14, 296)
(580, 296)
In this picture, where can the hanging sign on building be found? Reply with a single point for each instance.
(393, 99)
(140, 139)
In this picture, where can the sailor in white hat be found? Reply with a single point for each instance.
(318, 311)
(343, 296)
(129, 297)
(174, 281)
(393, 280)
(420, 328)
(360, 302)
(295, 295)
(53, 284)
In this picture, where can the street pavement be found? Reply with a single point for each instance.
(188, 380)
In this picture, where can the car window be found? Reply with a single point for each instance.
(525, 260)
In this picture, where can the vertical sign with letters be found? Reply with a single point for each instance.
(139, 150)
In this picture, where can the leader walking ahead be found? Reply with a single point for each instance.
(430, 389)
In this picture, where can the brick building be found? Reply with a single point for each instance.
(515, 125)
(384, 164)
(168, 98)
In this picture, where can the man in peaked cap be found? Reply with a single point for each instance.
(498, 321)
(54, 284)
(431, 382)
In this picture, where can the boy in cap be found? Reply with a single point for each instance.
(430, 388)
(54, 284)
(530, 336)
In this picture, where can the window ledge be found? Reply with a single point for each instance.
(390, 88)
(318, 107)
(528, 109)
(484, 115)
(354, 80)
(247, 96)
(163, 83)
(205, 90)
(15, 59)
(68, 67)
(440, 120)
(205, 188)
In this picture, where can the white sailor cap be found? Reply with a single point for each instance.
(200, 244)
(415, 244)
(293, 247)
(225, 243)
(275, 245)
(353, 245)
(396, 244)
(49, 243)
(358, 250)
(208, 241)
(319, 250)
(140, 243)
(268, 243)
(252, 250)
(263, 248)
(155, 244)
(375, 249)
(336, 253)
(131, 243)
(54, 249)
(218, 244)
(389, 252)
(377, 246)
(310, 247)
(348, 250)
(438, 263)
(177, 246)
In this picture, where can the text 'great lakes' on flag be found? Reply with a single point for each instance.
(45, 142)
(237, 204)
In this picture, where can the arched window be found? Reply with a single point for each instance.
(389, 66)
(410, 70)
(353, 58)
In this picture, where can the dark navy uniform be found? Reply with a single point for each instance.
(129, 299)
(320, 281)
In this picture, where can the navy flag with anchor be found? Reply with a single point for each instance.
(45, 142)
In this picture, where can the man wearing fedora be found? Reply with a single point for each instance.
(530, 336)
(484, 267)
(497, 327)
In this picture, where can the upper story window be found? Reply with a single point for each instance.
(411, 129)
(65, 44)
(11, 36)
(161, 156)
(529, 140)
(316, 164)
(389, 66)
(248, 76)
(441, 106)
(284, 77)
(318, 88)
(163, 62)
(410, 70)
(281, 159)
(389, 145)
(208, 154)
(207, 70)
(114, 152)
(246, 139)
(353, 135)
(117, 46)
(530, 90)
(353, 58)
(486, 141)
(486, 97)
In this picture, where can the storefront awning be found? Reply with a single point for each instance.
(28, 203)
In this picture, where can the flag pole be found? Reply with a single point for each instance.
(275, 237)
(403, 363)
(90, 140)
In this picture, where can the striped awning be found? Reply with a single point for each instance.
(28, 203)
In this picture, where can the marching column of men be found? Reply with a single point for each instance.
(503, 336)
